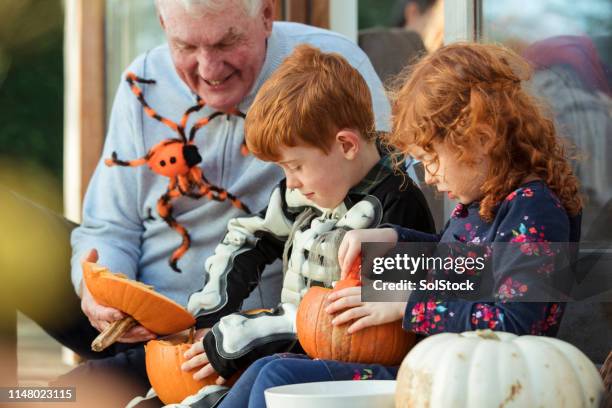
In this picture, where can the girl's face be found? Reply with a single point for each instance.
(460, 181)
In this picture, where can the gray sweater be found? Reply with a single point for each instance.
(115, 212)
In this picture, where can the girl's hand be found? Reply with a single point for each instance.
(196, 359)
(364, 314)
(351, 245)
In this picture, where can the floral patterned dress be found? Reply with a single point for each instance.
(531, 216)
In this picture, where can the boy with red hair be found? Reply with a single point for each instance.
(314, 118)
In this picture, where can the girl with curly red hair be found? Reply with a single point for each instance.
(466, 114)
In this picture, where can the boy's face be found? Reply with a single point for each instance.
(459, 181)
(324, 179)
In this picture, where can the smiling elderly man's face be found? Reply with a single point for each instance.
(217, 54)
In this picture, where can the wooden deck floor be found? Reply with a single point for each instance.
(39, 356)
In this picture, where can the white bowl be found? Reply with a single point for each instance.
(333, 394)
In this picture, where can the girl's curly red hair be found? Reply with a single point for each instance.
(472, 94)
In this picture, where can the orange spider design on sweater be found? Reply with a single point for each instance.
(177, 159)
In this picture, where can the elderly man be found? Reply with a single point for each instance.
(221, 52)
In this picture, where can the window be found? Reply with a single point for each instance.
(132, 28)
(568, 43)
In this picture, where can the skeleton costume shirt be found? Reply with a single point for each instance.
(306, 237)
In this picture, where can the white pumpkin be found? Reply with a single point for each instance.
(495, 369)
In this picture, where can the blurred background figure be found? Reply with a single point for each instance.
(414, 28)
(400, 48)
(424, 17)
(571, 76)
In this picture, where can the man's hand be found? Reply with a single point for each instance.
(196, 358)
(101, 316)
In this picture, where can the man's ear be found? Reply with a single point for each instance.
(349, 142)
(268, 14)
(160, 18)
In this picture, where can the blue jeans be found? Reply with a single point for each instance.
(283, 369)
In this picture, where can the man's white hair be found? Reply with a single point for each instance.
(251, 7)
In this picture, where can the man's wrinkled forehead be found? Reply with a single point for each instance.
(207, 29)
(212, 38)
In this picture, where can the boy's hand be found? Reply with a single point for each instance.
(364, 314)
(197, 358)
(101, 316)
(351, 245)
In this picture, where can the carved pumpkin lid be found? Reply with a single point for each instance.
(353, 277)
(153, 310)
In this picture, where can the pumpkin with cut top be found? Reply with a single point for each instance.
(385, 344)
(163, 361)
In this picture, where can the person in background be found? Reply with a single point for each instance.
(425, 17)
(572, 76)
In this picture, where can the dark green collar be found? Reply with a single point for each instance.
(378, 173)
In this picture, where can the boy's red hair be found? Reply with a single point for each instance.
(471, 94)
(307, 101)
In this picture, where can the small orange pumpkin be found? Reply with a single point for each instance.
(153, 310)
(163, 360)
(385, 344)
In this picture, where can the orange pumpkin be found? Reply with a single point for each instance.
(154, 311)
(163, 360)
(385, 344)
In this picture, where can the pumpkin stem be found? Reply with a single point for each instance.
(115, 330)
(354, 272)
(191, 335)
(487, 334)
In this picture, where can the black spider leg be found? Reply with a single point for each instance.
(218, 194)
(195, 108)
(190, 186)
(202, 122)
(131, 79)
(129, 163)
(149, 216)
(136, 78)
(235, 113)
(244, 150)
